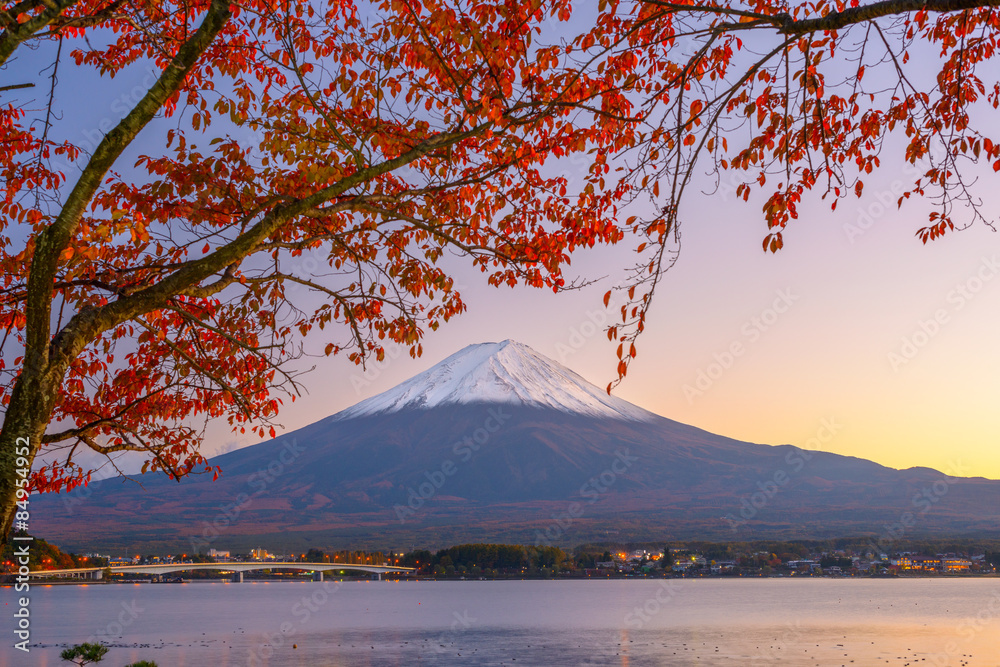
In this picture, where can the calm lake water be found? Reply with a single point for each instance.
(709, 623)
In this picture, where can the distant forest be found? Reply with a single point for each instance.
(487, 559)
(481, 559)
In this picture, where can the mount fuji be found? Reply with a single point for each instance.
(506, 373)
(498, 443)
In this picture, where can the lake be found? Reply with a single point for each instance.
(709, 622)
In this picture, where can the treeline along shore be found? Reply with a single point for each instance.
(847, 557)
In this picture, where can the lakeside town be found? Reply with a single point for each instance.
(501, 561)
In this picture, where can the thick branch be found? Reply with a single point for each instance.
(854, 15)
(787, 25)
(88, 323)
(56, 237)
(16, 33)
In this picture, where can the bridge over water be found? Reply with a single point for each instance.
(237, 568)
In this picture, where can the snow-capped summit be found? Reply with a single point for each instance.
(505, 372)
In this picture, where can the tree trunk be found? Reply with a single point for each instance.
(47, 357)
(31, 404)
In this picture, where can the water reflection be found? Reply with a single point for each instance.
(712, 623)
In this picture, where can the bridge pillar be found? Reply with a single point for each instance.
(97, 574)
(237, 577)
(317, 576)
(379, 574)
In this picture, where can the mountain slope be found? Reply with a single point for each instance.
(500, 443)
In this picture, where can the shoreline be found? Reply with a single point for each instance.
(306, 580)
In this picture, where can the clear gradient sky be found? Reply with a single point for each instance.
(855, 286)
